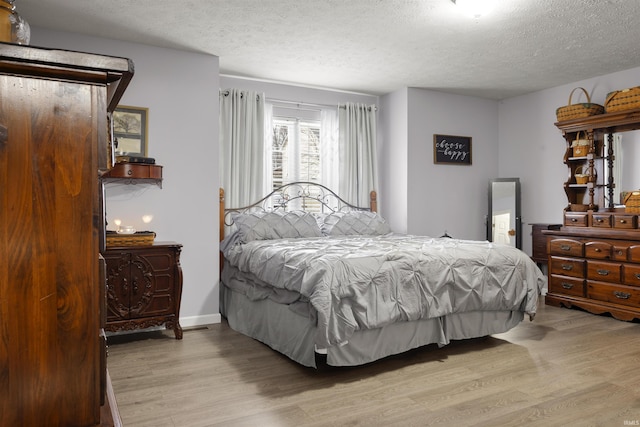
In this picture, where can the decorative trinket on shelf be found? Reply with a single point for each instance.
(13, 27)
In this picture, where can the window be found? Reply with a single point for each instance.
(296, 152)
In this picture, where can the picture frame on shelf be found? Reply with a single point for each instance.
(451, 149)
(130, 129)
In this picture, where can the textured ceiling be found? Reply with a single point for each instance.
(374, 46)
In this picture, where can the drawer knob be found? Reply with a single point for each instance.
(574, 220)
(567, 267)
(622, 295)
(598, 250)
(565, 247)
(637, 276)
(599, 220)
(567, 285)
(623, 221)
(603, 272)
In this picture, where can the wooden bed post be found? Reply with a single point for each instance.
(373, 201)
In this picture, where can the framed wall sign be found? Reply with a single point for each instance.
(130, 126)
(450, 149)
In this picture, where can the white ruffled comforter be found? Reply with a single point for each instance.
(365, 282)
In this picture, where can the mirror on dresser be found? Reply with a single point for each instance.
(624, 171)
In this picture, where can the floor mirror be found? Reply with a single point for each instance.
(504, 223)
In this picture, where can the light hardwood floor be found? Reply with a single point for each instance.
(566, 368)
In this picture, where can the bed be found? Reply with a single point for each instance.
(325, 282)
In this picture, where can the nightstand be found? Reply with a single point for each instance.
(144, 287)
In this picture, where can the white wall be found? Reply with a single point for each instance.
(450, 197)
(532, 148)
(393, 147)
(437, 197)
(181, 91)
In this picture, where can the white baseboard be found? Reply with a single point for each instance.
(208, 319)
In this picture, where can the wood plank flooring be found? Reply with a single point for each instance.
(566, 368)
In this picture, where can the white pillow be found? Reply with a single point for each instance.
(354, 223)
(261, 225)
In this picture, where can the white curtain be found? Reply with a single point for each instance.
(358, 158)
(242, 146)
(268, 147)
(329, 149)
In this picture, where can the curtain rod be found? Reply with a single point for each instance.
(298, 103)
(308, 104)
(304, 104)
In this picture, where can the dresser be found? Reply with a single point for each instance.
(598, 272)
(594, 258)
(54, 146)
(144, 287)
(539, 241)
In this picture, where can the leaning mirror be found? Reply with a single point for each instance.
(504, 224)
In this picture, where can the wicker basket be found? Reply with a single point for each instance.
(621, 100)
(632, 202)
(139, 238)
(576, 111)
(580, 146)
(581, 178)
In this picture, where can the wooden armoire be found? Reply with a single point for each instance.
(54, 146)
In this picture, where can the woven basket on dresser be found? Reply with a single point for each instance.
(139, 238)
(577, 111)
(632, 202)
(621, 100)
(580, 147)
(581, 177)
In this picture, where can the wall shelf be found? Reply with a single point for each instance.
(134, 173)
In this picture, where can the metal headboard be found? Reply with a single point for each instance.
(300, 195)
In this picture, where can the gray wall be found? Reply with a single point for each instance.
(531, 146)
(180, 89)
(511, 138)
(434, 198)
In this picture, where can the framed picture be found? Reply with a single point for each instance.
(450, 149)
(130, 126)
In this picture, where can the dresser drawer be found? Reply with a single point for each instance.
(567, 266)
(566, 247)
(625, 221)
(617, 294)
(566, 285)
(601, 220)
(604, 271)
(597, 249)
(631, 274)
(619, 252)
(633, 253)
(576, 219)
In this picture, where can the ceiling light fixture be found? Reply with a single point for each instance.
(475, 8)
